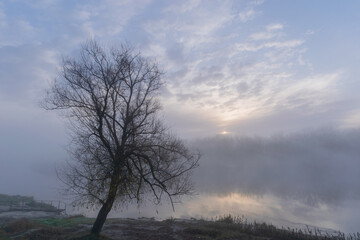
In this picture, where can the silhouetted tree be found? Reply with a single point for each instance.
(121, 151)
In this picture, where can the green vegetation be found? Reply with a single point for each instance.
(68, 222)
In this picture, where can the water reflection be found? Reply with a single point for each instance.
(268, 208)
(265, 208)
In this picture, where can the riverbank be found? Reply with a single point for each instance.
(224, 228)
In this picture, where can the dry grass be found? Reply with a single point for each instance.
(222, 228)
(47, 233)
(20, 225)
(230, 226)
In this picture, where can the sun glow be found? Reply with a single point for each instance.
(224, 132)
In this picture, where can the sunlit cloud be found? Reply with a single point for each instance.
(222, 81)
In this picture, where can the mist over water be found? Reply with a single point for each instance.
(313, 167)
(288, 180)
(308, 177)
(267, 208)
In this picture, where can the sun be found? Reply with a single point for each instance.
(224, 132)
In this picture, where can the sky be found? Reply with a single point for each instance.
(266, 90)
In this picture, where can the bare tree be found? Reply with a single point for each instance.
(121, 151)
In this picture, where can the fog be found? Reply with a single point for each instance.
(290, 180)
(315, 167)
(309, 176)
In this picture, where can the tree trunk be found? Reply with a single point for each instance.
(101, 218)
(106, 208)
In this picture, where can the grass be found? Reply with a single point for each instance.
(222, 228)
(68, 222)
(47, 228)
(230, 227)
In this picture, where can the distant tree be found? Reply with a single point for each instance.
(121, 150)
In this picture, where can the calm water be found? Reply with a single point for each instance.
(280, 212)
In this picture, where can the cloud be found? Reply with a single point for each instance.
(182, 6)
(2, 17)
(270, 33)
(189, 24)
(26, 70)
(277, 44)
(310, 32)
(39, 4)
(15, 31)
(274, 27)
(247, 15)
(233, 75)
(256, 2)
(213, 61)
(313, 167)
(109, 18)
(262, 36)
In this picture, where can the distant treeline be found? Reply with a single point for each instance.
(17, 201)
